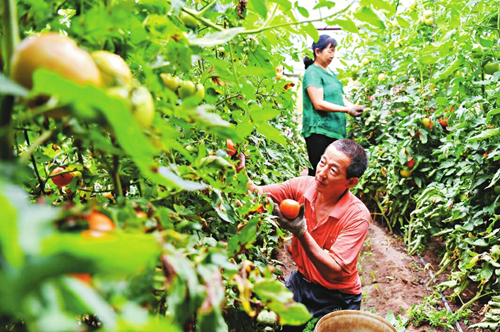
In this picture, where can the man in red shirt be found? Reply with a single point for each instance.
(328, 233)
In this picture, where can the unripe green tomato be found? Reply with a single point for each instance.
(365, 61)
(427, 13)
(200, 91)
(428, 21)
(491, 67)
(186, 89)
(171, 82)
(143, 107)
(188, 20)
(114, 70)
(497, 189)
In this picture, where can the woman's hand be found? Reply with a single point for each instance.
(355, 110)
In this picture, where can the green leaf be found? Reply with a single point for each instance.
(311, 30)
(90, 300)
(259, 6)
(286, 5)
(244, 129)
(402, 22)
(346, 24)
(452, 68)
(9, 87)
(429, 59)
(216, 38)
(263, 114)
(366, 14)
(245, 237)
(485, 134)
(379, 4)
(270, 132)
(324, 3)
(280, 300)
(303, 11)
(180, 182)
(11, 250)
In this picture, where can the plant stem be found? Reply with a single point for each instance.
(383, 214)
(39, 140)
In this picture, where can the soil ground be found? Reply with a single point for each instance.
(393, 280)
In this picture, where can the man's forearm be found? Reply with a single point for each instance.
(325, 264)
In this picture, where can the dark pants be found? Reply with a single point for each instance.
(318, 299)
(316, 145)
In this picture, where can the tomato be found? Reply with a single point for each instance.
(200, 91)
(188, 20)
(491, 67)
(171, 82)
(290, 208)
(143, 107)
(443, 122)
(186, 89)
(428, 21)
(427, 13)
(279, 75)
(427, 122)
(365, 61)
(497, 189)
(99, 222)
(230, 147)
(63, 179)
(86, 278)
(56, 53)
(114, 70)
(411, 163)
(381, 77)
(141, 214)
(405, 172)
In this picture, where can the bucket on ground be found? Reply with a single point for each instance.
(353, 321)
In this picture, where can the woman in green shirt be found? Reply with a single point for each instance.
(325, 107)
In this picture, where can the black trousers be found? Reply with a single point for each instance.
(318, 299)
(316, 145)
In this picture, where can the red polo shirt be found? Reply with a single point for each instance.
(342, 232)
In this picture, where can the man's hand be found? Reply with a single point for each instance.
(296, 226)
(356, 110)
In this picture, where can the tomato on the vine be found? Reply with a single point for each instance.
(56, 53)
(63, 179)
(114, 70)
(99, 222)
(186, 89)
(143, 107)
(411, 163)
(427, 122)
(200, 91)
(171, 82)
(405, 172)
(290, 208)
(230, 147)
(188, 20)
(491, 67)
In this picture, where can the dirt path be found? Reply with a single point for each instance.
(392, 280)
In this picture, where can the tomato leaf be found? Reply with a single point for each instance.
(346, 23)
(324, 3)
(366, 14)
(311, 30)
(379, 4)
(259, 6)
(216, 38)
(302, 11)
(270, 132)
(485, 134)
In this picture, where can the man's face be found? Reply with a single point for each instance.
(331, 172)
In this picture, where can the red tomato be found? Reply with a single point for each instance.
(411, 162)
(100, 222)
(63, 179)
(290, 208)
(230, 147)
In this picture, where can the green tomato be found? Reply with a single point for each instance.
(491, 67)
(171, 82)
(429, 21)
(200, 91)
(188, 20)
(186, 89)
(143, 107)
(497, 189)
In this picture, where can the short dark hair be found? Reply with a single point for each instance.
(355, 152)
(323, 42)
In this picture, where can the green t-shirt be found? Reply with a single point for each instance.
(331, 124)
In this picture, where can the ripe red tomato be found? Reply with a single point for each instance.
(230, 147)
(290, 208)
(443, 122)
(63, 179)
(411, 162)
(99, 222)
